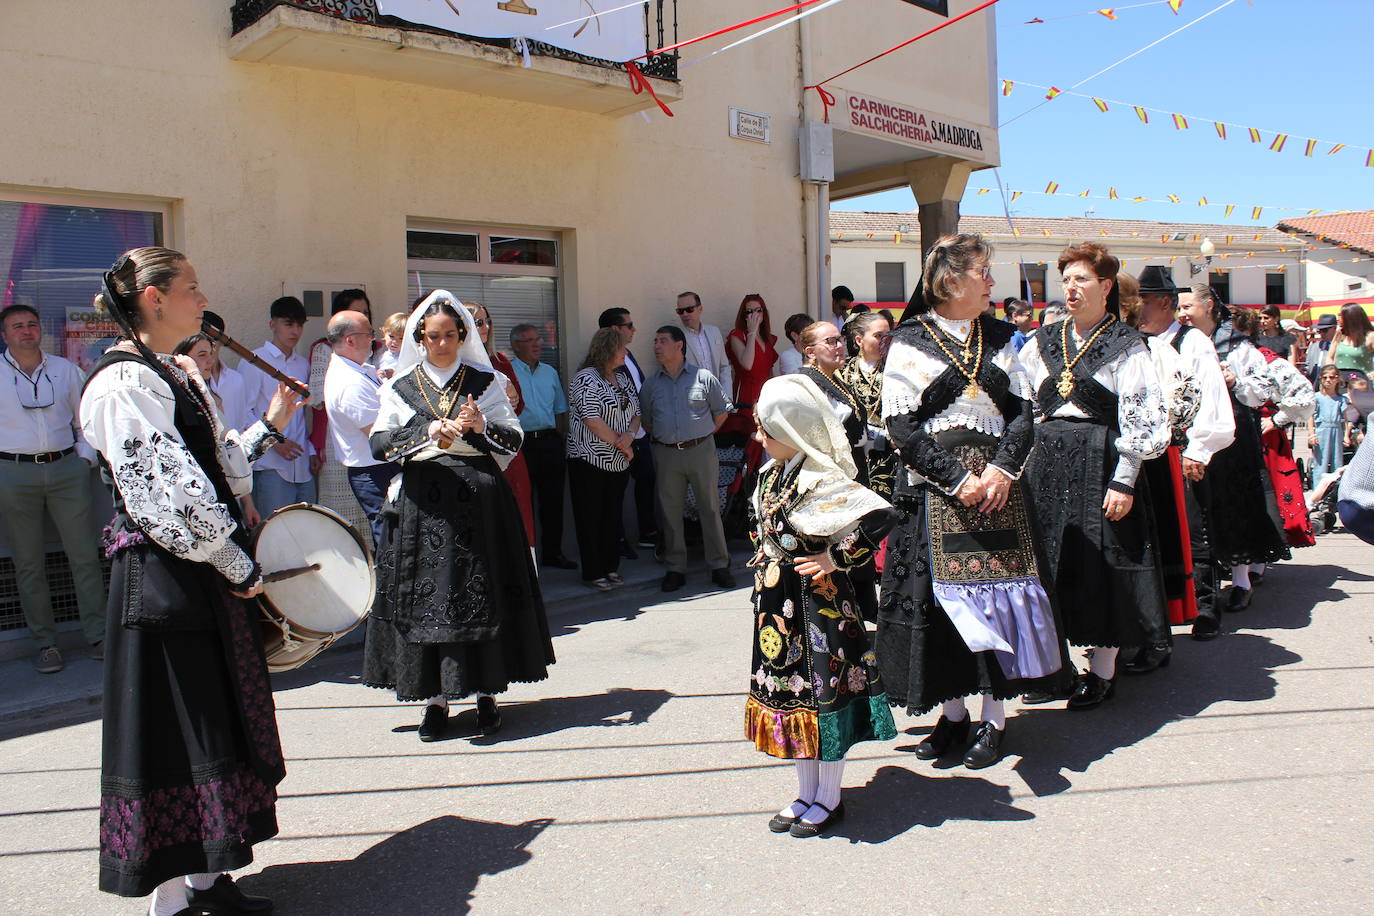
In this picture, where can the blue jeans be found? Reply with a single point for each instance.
(271, 491)
(369, 485)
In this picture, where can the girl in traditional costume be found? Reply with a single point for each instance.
(1102, 415)
(191, 757)
(458, 610)
(862, 375)
(963, 609)
(816, 690)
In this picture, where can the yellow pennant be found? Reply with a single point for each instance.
(1335, 149)
(1085, 192)
(1369, 160)
(1045, 232)
(1052, 93)
(1221, 129)
(1015, 231)
(1173, 259)
(1311, 145)
(1101, 105)
(1006, 87)
(1229, 208)
(1109, 12)
(1112, 195)
(1180, 122)
(1258, 236)
(1279, 141)
(1313, 212)
(1174, 5)
(1229, 238)
(984, 190)
(1254, 214)
(1202, 201)
(1141, 114)
(1015, 194)
(1051, 187)
(1138, 200)
(1173, 198)
(1254, 135)
(1164, 239)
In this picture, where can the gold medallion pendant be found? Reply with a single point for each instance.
(772, 574)
(971, 391)
(1065, 383)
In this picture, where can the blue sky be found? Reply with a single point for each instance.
(1295, 66)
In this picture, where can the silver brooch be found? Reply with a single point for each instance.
(789, 542)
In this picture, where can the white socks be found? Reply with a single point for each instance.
(808, 780)
(828, 793)
(1103, 663)
(440, 700)
(954, 710)
(202, 882)
(995, 712)
(1240, 575)
(169, 898)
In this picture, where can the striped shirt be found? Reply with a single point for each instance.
(615, 404)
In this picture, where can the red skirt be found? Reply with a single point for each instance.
(518, 476)
(1283, 471)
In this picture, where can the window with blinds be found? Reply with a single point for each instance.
(515, 274)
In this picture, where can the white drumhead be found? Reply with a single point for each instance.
(332, 599)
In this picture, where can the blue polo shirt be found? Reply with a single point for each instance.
(683, 408)
(543, 394)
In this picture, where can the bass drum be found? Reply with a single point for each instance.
(318, 582)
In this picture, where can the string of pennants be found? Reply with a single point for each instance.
(1109, 12)
(1278, 139)
(1052, 189)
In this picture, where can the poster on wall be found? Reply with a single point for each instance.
(87, 335)
(590, 29)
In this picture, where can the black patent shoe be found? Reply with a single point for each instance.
(1092, 691)
(804, 830)
(433, 724)
(1149, 658)
(1205, 628)
(224, 898)
(781, 823)
(986, 748)
(1040, 697)
(942, 738)
(488, 716)
(1238, 599)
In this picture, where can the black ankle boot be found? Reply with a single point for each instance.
(488, 716)
(942, 737)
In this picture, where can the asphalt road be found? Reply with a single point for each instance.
(1236, 781)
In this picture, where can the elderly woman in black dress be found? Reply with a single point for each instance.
(963, 610)
(458, 610)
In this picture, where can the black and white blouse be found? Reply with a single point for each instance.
(614, 403)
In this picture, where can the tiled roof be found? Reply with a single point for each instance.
(1354, 229)
(1060, 227)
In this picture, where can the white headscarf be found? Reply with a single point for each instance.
(793, 410)
(471, 353)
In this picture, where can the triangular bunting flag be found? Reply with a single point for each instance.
(984, 190)
(1313, 212)
(1173, 259)
(1052, 93)
(1006, 87)
(1228, 239)
(1180, 122)
(1254, 135)
(1311, 145)
(1279, 141)
(1254, 214)
(1202, 201)
(1044, 232)
(1164, 239)
(1229, 208)
(1335, 149)
(1112, 195)
(1109, 12)
(1015, 194)
(1085, 192)
(1101, 105)
(1174, 5)
(1140, 113)
(1173, 198)
(1369, 159)
(1016, 232)
(1051, 187)
(1034, 21)
(1221, 129)
(1138, 200)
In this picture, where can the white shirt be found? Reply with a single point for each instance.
(706, 349)
(38, 430)
(1214, 426)
(232, 391)
(385, 361)
(352, 397)
(789, 361)
(259, 387)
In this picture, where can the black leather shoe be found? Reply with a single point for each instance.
(488, 716)
(1038, 697)
(673, 581)
(225, 897)
(780, 823)
(433, 724)
(803, 830)
(559, 562)
(986, 748)
(942, 737)
(721, 578)
(1149, 658)
(1205, 628)
(1092, 691)
(1238, 599)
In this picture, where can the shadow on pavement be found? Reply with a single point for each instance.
(433, 867)
(1238, 668)
(1288, 595)
(617, 706)
(897, 799)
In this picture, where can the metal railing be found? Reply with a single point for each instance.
(660, 29)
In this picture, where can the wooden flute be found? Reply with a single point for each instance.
(216, 334)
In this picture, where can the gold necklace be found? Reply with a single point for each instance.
(1066, 382)
(974, 357)
(448, 399)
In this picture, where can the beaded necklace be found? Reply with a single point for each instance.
(773, 500)
(1066, 381)
(974, 358)
(448, 397)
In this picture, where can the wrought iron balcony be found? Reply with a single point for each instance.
(350, 36)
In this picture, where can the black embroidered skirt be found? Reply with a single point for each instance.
(923, 658)
(458, 610)
(191, 756)
(1106, 575)
(1245, 523)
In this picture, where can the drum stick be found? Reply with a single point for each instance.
(219, 336)
(281, 574)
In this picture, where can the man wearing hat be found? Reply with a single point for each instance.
(1212, 429)
(1325, 330)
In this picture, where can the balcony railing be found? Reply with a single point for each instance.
(660, 29)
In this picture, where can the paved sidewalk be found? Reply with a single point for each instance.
(1235, 781)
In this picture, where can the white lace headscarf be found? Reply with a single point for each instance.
(471, 353)
(793, 410)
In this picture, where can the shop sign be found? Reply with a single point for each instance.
(750, 125)
(908, 125)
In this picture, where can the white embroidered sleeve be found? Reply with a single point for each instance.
(1296, 399)
(903, 380)
(1141, 414)
(126, 415)
(1254, 385)
(1214, 426)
